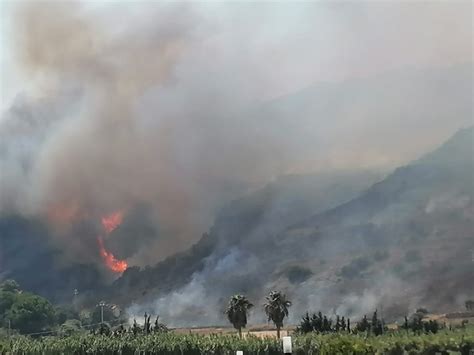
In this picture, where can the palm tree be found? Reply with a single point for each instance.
(276, 309)
(237, 311)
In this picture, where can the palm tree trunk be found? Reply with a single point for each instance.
(240, 333)
(278, 331)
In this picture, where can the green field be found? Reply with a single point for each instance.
(445, 342)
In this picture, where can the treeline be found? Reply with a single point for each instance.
(417, 325)
(319, 323)
(23, 312)
(26, 313)
(323, 324)
(277, 306)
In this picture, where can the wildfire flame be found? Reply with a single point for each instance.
(112, 221)
(110, 260)
(109, 224)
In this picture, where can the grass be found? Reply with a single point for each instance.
(445, 342)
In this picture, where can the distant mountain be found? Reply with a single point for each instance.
(405, 242)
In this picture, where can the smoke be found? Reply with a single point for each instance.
(131, 132)
(201, 302)
(189, 306)
(167, 106)
(194, 303)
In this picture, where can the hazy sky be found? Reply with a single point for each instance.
(289, 45)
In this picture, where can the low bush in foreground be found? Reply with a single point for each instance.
(171, 344)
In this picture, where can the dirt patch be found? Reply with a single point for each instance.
(261, 331)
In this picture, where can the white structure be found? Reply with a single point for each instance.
(287, 345)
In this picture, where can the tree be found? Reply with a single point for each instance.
(469, 305)
(431, 326)
(406, 325)
(363, 325)
(237, 311)
(10, 286)
(70, 327)
(376, 325)
(24, 311)
(306, 325)
(159, 327)
(417, 323)
(317, 322)
(31, 313)
(422, 310)
(64, 313)
(327, 324)
(9, 290)
(276, 309)
(147, 324)
(343, 323)
(322, 324)
(135, 329)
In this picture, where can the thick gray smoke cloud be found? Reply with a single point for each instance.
(146, 104)
(137, 134)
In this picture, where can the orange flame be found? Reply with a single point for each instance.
(110, 223)
(110, 260)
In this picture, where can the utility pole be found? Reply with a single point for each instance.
(74, 299)
(381, 316)
(101, 305)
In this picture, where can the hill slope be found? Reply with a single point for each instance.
(395, 244)
(392, 246)
(241, 227)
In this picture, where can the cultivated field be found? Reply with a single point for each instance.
(459, 341)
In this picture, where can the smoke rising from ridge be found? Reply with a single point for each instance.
(154, 109)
